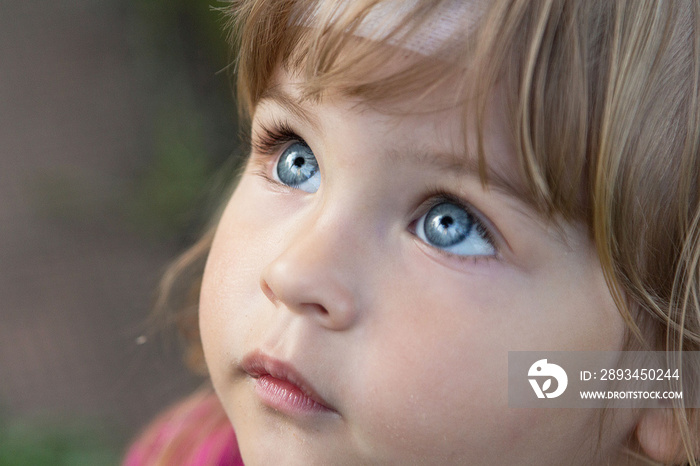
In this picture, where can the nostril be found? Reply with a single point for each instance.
(314, 307)
(267, 291)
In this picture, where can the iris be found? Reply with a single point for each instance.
(298, 168)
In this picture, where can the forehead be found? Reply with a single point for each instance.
(433, 23)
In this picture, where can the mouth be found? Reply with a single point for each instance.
(281, 387)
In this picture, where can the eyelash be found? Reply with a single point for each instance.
(269, 140)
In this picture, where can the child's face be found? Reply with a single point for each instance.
(393, 284)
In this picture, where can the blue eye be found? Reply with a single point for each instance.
(297, 167)
(450, 227)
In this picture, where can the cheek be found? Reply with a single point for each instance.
(439, 392)
(429, 380)
(435, 378)
(230, 285)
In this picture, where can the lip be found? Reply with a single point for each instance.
(281, 387)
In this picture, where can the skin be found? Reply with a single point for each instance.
(408, 344)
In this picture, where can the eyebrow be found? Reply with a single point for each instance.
(466, 164)
(290, 104)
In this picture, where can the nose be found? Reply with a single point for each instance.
(313, 275)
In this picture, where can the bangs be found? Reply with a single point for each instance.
(344, 47)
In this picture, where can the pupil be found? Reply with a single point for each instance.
(299, 162)
(446, 221)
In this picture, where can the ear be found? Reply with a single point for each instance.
(660, 438)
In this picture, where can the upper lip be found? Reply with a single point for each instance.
(257, 364)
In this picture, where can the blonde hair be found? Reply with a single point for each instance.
(602, 101)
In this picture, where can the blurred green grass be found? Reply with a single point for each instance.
(171, 188)
(56, 443)
(182, 52)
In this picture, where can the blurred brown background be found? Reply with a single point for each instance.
(113, 120)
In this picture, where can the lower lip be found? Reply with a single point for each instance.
(286, 397)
